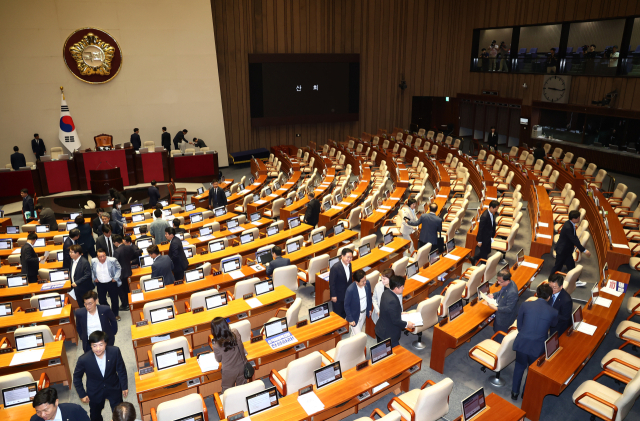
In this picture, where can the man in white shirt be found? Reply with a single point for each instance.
(358, 302)
(94, 317)
(105, 273)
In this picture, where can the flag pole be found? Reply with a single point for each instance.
(62, 92)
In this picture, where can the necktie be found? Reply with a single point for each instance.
(553, 301)
(109, 247)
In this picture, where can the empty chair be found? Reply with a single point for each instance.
(495, 356)
(620, 365)
(354, 218)
(291, 313)
(597, 180)
(244, 287)
(275, 208)
(198, 299)
(169, 345)
(557, 153)
(606, 403)
(424, 404)
(47, 335)
(568, 157)
(421, 255)
(245, 201)
(148, 307)
(299, 373)
(19, 379)
(618, 194)
(180, 408)
(476, 277)
(316, 264)
(348, 351)
(400, 266)
(451, 294)
(287, 276)
(506, 245)
(428, 309)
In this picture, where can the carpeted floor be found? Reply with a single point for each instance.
(465, 372)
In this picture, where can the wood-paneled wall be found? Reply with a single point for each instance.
(426, 42)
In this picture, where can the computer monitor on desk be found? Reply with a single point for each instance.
(473, 404)
(455, 310)
(328, 374)
(170, 359)
(137, 208)
(319, 312)
(551, 345)
(262, 401)
(380, 351)
(19, 395)
(434, 256)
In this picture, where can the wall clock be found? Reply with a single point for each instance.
(556, 88)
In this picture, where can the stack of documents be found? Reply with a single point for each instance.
(311, 403)
(416, 318)
(486, 298)
(207, 362)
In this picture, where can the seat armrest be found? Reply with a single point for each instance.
(600, 400)
(60, 336)
(377, 412)
(187, 307)
(282, 390)
(150, 356)
(6, 341)
(403, 405)
(427, 383)
(154, 415)
(279, 310)
(141, 316)
(325, 355)
(43, 382)
(498, 333)
(491, 354)
(218, 404)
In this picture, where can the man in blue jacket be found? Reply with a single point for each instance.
(94, 317)
(106, 376)
(176, 253)
(277, 261)
(358, 302)
(507, 301)
(535, 318)
(48, 408)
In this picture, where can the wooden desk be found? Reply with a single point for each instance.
(197, 327)
(297, 207)
(540, 245)
(65, 321)
(8, 270)
(340, 398)
(618, 253)
(499, 410)
(554, 376)
(53, 362)
(202, 200)
(17, 413)
(282, 192)
(371, 224)
(452, 335)
(378, 259)
(20, 296)
(329, 218)
(185, 215)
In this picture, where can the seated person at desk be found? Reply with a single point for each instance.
(561, 301)
(29, 259)
(124, 411)
(176, 226)
(46, 217)
(535, 318)
(390, 323)
(162, 265)
(80, 272)
(95, 317)
(48, 408)
(507, 300)
(17, 159)
(278, 261)
(154, 194)
(229, 351)
(72, 239)
(358, 302)
(156, 229)
(106, 376)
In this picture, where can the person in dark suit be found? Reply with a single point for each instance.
(486, 232)
(135, 139)
(507, 300)
(431, 226)
(277, 262)
(27, 204)
(154, 194)
(166, 139)
(106, 376)
(29, 259)
(492, 141)
(80, 272)
(567, 242)
(358, 302)
(178, 138)
(199, 143)
(37, 146)
(126, 240)
(46, 217)
(72, 239)
(47, 407)
(17, 159)
(86, 237)
(539, 152)
(162, 265)
(176, 253)
(116, 226)
(312, 214)
(176, 226)
(116, 195)
(105, 242)
(124, 411)
(390, 323)
(93, 317)
(124, 254)
(561, 301)
(535, 318)
(217, 197)
(340, 277)
(96, 223)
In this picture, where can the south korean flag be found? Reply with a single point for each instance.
(67, 134)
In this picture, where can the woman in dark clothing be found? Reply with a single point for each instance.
(229, 351)
(493, 138)
(115, 194)
(86, 237)
(539, 152)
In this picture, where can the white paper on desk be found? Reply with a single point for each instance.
(344, 203)
(185, 243)
(51, 312)
(52, 285)
(16, 251)
(366, 268)
(394, 198)
(26, 357)
(273, 195)
(139, 296)
(208, 362)
(544, 236)
(379, 387)
(259, 202)
(529, 265)
(155, 339)
(351, 195)
(205, 238)
(236, 274)
(492, 198)
(236, 229)
(620, 246)
(604, 302)
(311, 403)
(253, 302)
(420, 278)
(442, 195)
(543, 224)
(255, 184)
(416, 318)
(381, 210)
(337, 207)
(587, 328)
(324, 276)
(387, 249)
(611, 291)
(452, 256)
(385, 207)
(243, 192)
(256, 223)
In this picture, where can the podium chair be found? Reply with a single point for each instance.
(103, 140)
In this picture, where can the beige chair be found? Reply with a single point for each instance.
(244, 287)
(56, 152)
(291, 314)
(399, 267)
(148, 144)
(354, 218)
(148, 307)
(18, 379)
(33, 301)
(597, 180)
(620, 365)
(169, 345)
(504, 246)
(618, 194)
(475, 278)
(47, 335)
(626, 203)
(428, 309)
(298, 374)
(199, 299)
(245, 201)
(179, 408)
(557, 153)
(571, 278)
(316, 265)
(451, 294)
(421, 256)
(424, 404)
(560, 199)
(495, 356)
(287, 276)
(275, 208)
(350, 352)
(606, 403)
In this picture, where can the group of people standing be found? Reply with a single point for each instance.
(179, 140)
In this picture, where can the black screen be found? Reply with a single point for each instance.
(303, 88)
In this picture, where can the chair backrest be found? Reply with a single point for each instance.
(512, 236)
(547, 148)
(47, 335)
(490, 161)
(148, 307)
(350, 352)
(524, 155)
(547, 170)
(620, 191)
(475, 280)
(433, 401)
(557, 152)
(287, 276)
(492, 266)
(453, 294)
(539, 164)
(568, 157)
(579, 163)
(243, 327)
(399, 267)
(514, 151)
(482, 154)
(317, 264)
(627, 399)
(170, 344)
(629, 199)
(12, 380)
(293, 312)
(182, 407)
(300, 372)
(33, 301)
(506, 355)
(584, 225)
(529, 160)
(428, 309)
(373, 279)
(197, 299)
(354, 217)
(453, 226)
(422, 255)
(572, 277)
(591, 168)
(244, 287)
(369, 239)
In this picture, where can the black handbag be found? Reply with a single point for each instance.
(248, 368)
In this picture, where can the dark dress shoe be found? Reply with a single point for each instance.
(118, 319)
(514, 396)
(123, 308)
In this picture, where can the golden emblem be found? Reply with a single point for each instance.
(92, 55)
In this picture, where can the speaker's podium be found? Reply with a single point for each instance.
(103, 180)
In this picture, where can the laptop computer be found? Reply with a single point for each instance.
(19, 395)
